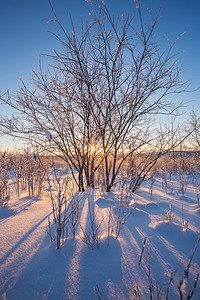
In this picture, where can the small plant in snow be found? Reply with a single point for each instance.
(145, 263)
(134, 291)
(198, 200)
(63, 202)
(170, 214)
(151, 183)
(164, 181)
(124, 191)
(185, 287)
(183, 182)
(90, 235)
(156, 291)
(185, 224)
(120, 216)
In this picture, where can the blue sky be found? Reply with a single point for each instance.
(23, 34)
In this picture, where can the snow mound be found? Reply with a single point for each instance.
(175, 232)
(104, 202)
(149, 207)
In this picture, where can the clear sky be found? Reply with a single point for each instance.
(23, 34)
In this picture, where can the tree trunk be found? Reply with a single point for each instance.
(80, 181)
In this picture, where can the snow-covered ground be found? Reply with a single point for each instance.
(32, 268)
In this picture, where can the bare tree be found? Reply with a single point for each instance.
(4, 178)
(99, 100)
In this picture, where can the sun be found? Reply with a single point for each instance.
(92, 149)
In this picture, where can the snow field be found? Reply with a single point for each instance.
(32, 268)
